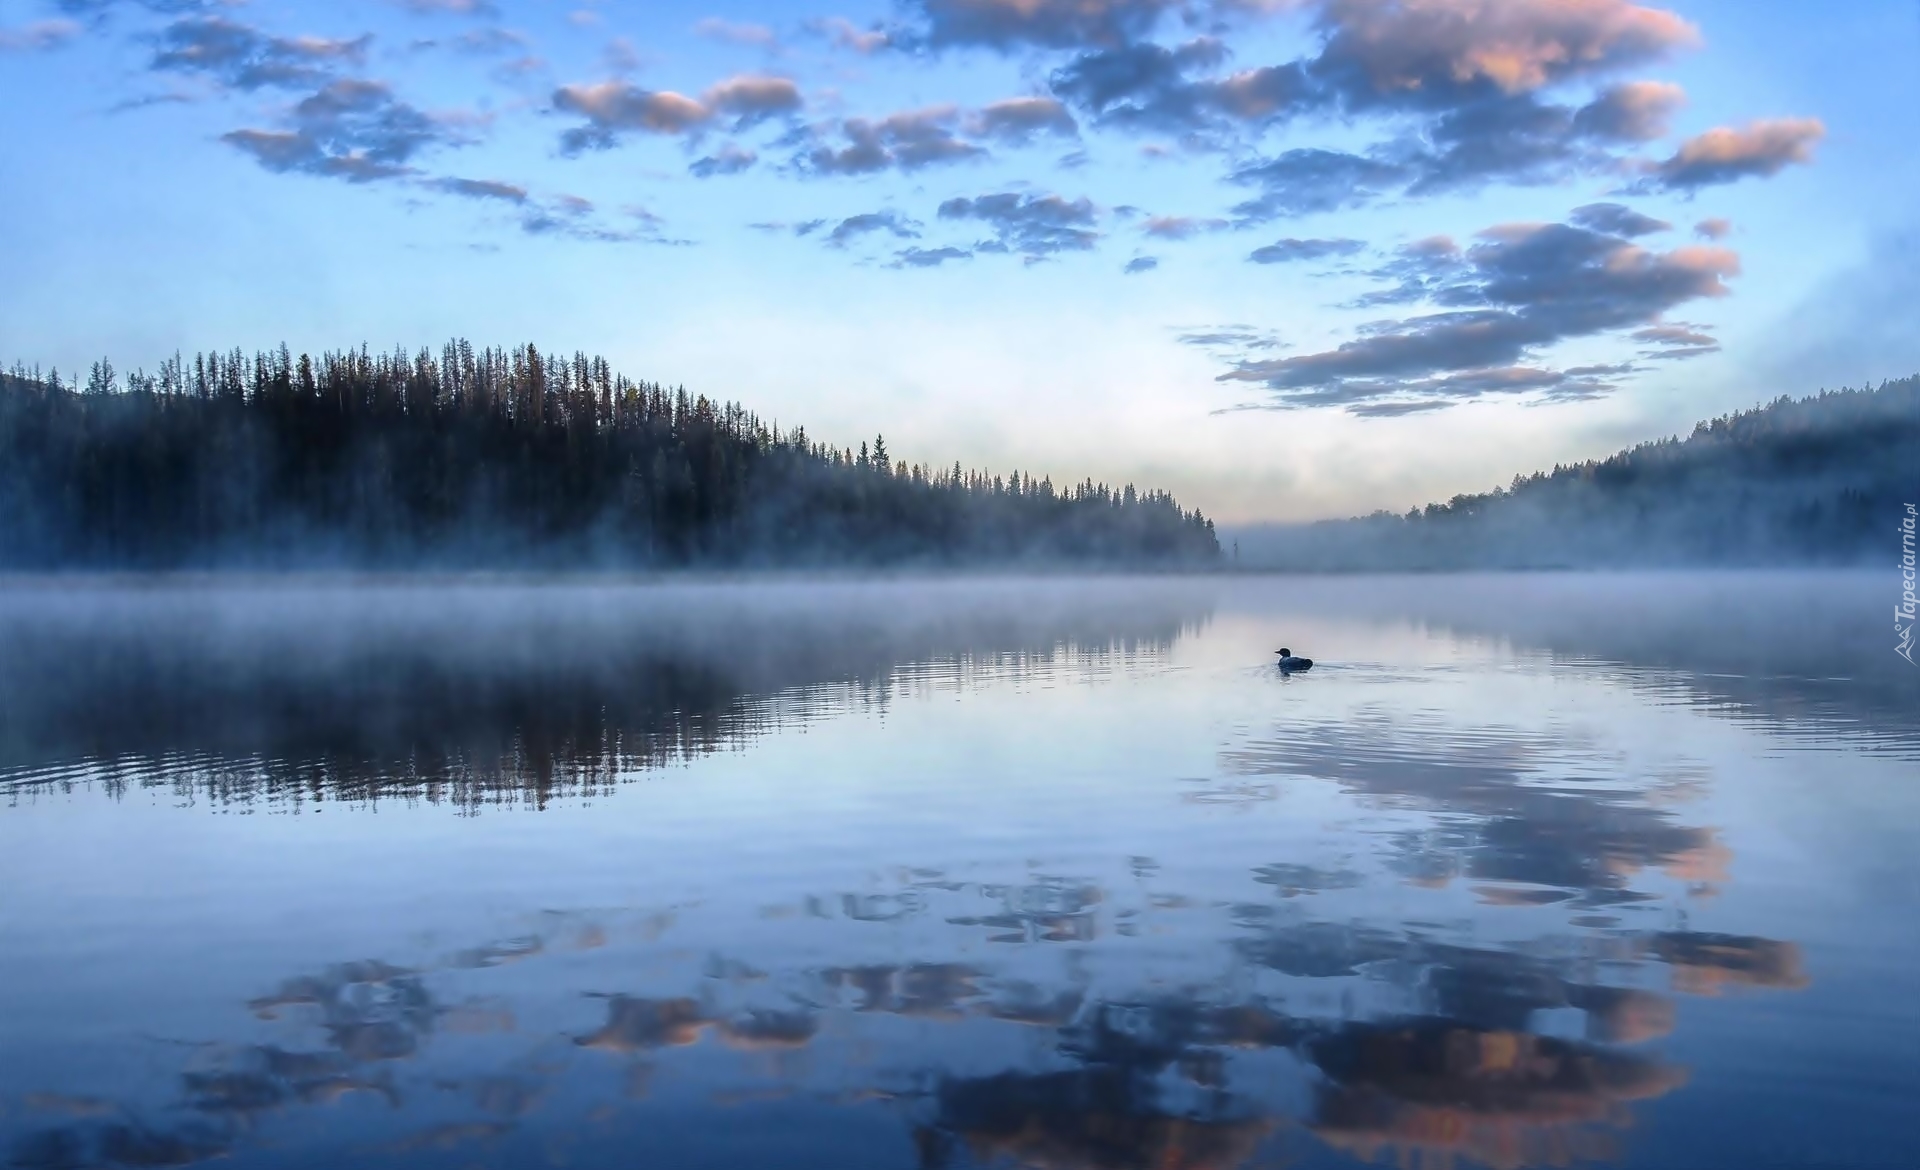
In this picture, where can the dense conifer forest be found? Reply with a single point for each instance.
(1817, 480)
(499, 458)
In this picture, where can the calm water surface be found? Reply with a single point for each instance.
(1530, 871)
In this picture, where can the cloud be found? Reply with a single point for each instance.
(1495, 136)
(803, 228)
(242, 57)
(855, 226)
(1396, 409)
(1382, 57)
(1519, 289)
(730, 159)
(1231, 337)
(1307, 180)
(1680, 341)
(1431, 53)
(1146, 86)
(751, 98)
(489, 40)
(1518, 139)
(1422, 270)
(905, 141)
(928, 257)
(1673, 335)
(1290, 250)
(481, 189)
(1035, 226)
(1018, 120)
(1635, 112)
(37, 35)
(1617, 220)
(612, 108)
(1141, 264)
(913, 139)
(737, 33)
(1459, 83)
(1713, 228)
(451, 7)
(1049, 24)
(98, 9)
(1149, 88)
(1180, 227)
(844, 34)
(353, 130)
(290, 151)
(1726, 154)
(572, 217)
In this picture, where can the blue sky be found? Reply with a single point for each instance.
(1288, 258)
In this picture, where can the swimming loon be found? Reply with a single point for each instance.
(1289, 664)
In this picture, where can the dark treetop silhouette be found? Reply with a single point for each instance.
(497, 458)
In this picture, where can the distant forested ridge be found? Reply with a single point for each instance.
(501, 459)
(1818, 480)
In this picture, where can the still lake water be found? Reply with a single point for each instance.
(1529, 871)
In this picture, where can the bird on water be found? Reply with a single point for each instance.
(1289, 664)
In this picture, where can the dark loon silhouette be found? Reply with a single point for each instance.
(1289, 664)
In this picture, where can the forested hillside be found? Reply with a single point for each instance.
(501, 459)
(1818, 480)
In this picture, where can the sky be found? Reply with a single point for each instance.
(1289, 259)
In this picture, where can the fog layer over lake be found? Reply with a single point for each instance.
(1529, 870)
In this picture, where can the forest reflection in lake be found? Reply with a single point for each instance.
(1530, 871)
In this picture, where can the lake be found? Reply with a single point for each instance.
(1610, 870)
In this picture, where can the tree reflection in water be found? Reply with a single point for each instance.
(1484, 954)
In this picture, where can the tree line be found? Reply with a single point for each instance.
(501, 458)
(1814, 480)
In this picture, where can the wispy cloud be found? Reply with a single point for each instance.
(1181, 227)
(1033, 226)
(242, 57)
(481, 189)
(738, 32)
(844, 34)
(928, 257)
(451, 7)
(37, 36)
(1290, 250)
(855, 226)
(730, 159)
(353, 130)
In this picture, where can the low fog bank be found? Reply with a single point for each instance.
(1815, 481)
(1807, 650)
(494, 687)
(486, 690)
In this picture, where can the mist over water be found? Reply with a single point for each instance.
(1529, 870)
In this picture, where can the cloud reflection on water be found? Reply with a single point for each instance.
(1461, 939)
